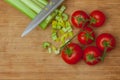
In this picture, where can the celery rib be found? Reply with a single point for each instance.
(44, 2)
(23, 8)
(38, 3)
(31, 9)
(31, 5)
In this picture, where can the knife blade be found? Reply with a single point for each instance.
(53, 4)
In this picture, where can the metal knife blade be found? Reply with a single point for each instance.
(42, 15)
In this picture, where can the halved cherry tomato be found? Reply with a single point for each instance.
(79, 18)
(72, 53)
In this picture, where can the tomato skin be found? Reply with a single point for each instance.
(94, 52)
(105, 37)
(76, 55)
(81, 14)
(97, 18)
(87, 36)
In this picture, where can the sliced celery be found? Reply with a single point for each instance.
(54, 36)
(46, 44)
(45, 23)
(65, 17)
(23, 8)
(49, 50)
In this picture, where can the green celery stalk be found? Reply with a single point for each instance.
(31, 9)
(32, 5)
(23, 8)
(45, 2)
(38, 3)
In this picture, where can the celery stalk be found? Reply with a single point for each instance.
(23, 8)
(31, 9)
(31, 5)
(45, 2)
(38, 3)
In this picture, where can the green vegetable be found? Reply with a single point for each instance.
(62, 9)
(45, 2)
(61, 29)
(54, 36)
(46, 44)
(49, 50)
(38, 3)
(31, 9)
(22, 7)
(31, 5)
(65, 17)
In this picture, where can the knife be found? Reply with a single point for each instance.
(53, 4)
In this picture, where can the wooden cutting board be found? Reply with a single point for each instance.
(25, 59)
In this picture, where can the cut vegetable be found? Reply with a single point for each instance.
(49, 50)
(65, 17)
(46, 44)
(54, 36)
(61, 30)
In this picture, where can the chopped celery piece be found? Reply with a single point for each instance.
(54, 24)
(65, 17)
(57, 51)
(22, 7)
(54, 36)
(46, 44)
(71, 34)
(63, 38)
(54, 48)
(61, 32)
(62, 9)
(64, 29)
(68, 24)
(32, 5)
(49, 50)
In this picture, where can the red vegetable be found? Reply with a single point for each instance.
(72, 53)
(92, 55)
(105, 40)
(87, 36)
(97, 18)
(79, 18)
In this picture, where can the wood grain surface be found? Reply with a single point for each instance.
(25, 59)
